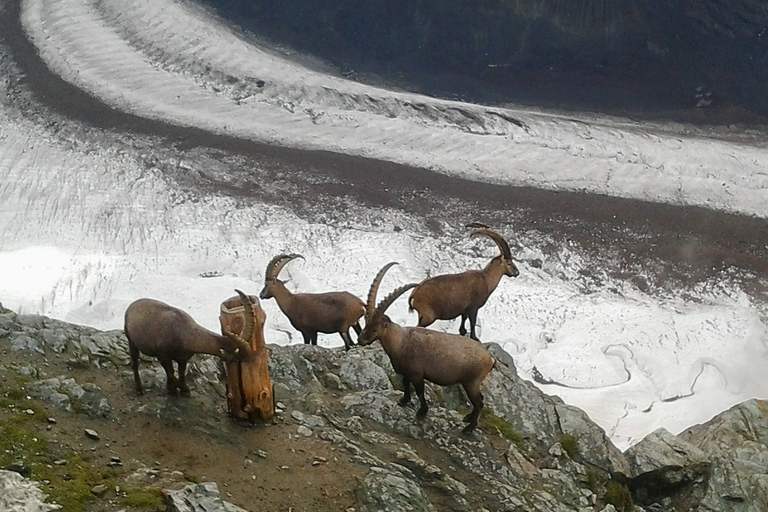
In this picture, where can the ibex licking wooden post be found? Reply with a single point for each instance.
(158, 330)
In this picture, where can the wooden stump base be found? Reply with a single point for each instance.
(250, 393)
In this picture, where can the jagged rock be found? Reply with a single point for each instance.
(68, 394)
(19, 494)
(23, 342)
(359, 372)
(202, 497)
(8, 324)
(541, 418)
(737, 443)
(663, 465)
(383, 490)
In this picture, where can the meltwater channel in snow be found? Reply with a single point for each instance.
(86, 232)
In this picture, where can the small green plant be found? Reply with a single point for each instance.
(151, 498)
(618, 495)
(592, 480)
(492, 424)
(570, 444)
(70, 485)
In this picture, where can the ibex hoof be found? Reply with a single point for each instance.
(421, 413)
(403, 402)
(469, 428)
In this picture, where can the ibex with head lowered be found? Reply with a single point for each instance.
(311, 313)
(419, 354)
(170, 334)
(447, 296)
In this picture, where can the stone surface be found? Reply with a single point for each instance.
(203, 497)
(19, 494)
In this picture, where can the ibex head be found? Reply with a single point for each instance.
(273, 270)
(375, 320)
(506, 255)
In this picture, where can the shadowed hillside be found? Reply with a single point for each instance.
(699, 60)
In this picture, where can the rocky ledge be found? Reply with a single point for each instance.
(532, 452)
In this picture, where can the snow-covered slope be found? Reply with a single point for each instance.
(87, 227)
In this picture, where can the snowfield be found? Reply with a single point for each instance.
(87, 227)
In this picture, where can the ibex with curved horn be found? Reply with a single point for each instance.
(419, 354)
(170, 334)
(447, 296)
(311, 313)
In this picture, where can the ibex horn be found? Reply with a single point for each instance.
(371, 306)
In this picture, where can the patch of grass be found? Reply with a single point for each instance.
(70, 485)
(15, 393)
(618, 495)
(592, 480)
(570, 444)
(396, 381)
(492, 424)
(19, 445)
(151, 498)
(191, 478)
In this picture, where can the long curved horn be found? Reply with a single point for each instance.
(243, 339)
(370, 307)
(277, 263)
(503, 246)
(389, 299)
(250, 316)
(476, 225)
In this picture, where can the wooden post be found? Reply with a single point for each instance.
(250, 393)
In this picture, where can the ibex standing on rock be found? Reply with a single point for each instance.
(447, 296)
(420, 354)
(170, 334)
(311, 313)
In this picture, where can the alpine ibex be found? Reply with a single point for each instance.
(311, 313)
(170, 334)
(419, 354)
(447, 296)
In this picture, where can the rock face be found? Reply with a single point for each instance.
(19, 494)
(663, 465)
(531, 452)
(737, 443)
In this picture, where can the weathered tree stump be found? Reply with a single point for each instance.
(250, 393)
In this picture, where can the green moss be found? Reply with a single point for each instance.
(570, 444)
(618, 495)
(396, 381)
(70, 485)
(592, 480)
(15, 393)
(492, 424)
(18, 444)
(151, 498)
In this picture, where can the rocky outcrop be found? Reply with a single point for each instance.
(664, 466)
(532, 452)
(19, 494)
(736, 441)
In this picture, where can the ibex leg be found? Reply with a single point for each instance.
(171, 384)
(182, 380)
(135, 365)
(407, 395)
(419, 385)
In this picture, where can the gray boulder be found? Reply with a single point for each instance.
(663, 464)
(202, 497)
(737, 443)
